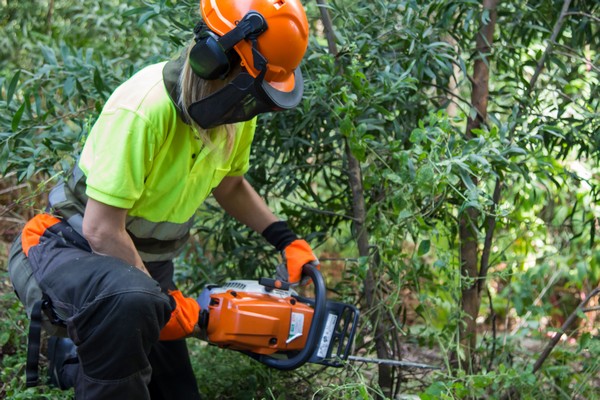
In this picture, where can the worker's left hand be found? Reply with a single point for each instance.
(295, 256)
(184, 318)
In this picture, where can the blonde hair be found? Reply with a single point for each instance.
(192, 88)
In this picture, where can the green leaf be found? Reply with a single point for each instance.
(12, 87)
(137, 10)
(485, 17)
(17, 118)
(514, 150)
(98, 82)
(4, 158)
(346, 127)
(146, 16)
(4, 338)
(424, 247)
(466, 179)
(30, 170)
(479, 160)
(49, 55)
(69, 86)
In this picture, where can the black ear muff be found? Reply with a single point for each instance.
(212, 56)
(207, 58)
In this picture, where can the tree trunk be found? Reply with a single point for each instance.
(470, 298)
(370, 287)
(362, 236)
(468, 220)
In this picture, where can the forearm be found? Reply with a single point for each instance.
(115, 244)
(104, 229)
(237, 197)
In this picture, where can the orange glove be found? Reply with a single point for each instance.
(295, 255)
(183, 318)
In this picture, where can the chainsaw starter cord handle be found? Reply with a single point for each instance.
(316, 327)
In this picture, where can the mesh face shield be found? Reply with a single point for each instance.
(244, 98)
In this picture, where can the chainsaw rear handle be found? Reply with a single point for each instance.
(314, 333)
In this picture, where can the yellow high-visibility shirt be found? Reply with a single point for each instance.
(141, 156)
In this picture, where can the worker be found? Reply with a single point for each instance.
(98, 266)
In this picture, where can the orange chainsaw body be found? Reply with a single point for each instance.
(257, 322)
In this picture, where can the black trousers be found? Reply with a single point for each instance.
(113, 313)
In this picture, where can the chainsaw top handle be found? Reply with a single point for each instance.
(316, 327)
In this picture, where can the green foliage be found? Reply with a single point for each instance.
(397, 93)
(484, 385)
(76, 56)
(13, 352)
(218, 379)
(225, 374)
(558, 379)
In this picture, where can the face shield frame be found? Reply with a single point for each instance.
(245, 96)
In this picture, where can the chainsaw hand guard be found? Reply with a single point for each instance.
(316, 326)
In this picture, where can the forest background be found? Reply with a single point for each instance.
(444, 164)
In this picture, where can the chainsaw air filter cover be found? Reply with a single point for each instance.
(245, 316)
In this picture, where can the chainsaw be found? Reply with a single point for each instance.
(268, 321)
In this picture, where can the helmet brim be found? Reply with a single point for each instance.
(285, 99)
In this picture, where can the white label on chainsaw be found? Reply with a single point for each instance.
(296, 326)
(327, 334)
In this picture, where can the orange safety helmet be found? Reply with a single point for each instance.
(283, 44)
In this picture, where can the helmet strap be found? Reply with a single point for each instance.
(260, 62)
(251, 26)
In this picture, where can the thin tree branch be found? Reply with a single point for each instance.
(490, 222)
(540, 64)
(590, 309)
(512, 392)
(562, 330)
(328, 27)
(557, 27)
(49, 16)
(537, 300)
(582, 14)
(13, 188)
(494, 334)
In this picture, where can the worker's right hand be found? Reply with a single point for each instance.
(184, 318)
(295, 256)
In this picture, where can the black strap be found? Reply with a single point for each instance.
(260, 62)
(251, 26)
(33, 345)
